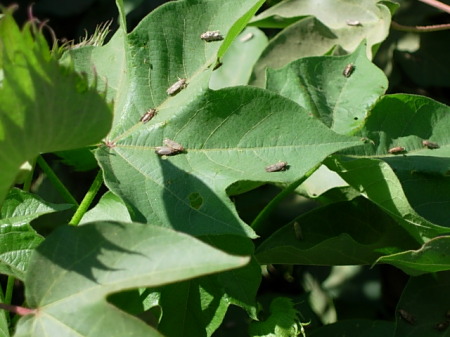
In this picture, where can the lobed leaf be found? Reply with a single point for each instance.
(45, 107)
(319, 85)
(84, 265)
(315, 27)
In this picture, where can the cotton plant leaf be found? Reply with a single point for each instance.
(423, 306)
(75, 269)
(318, 27)
(409, 185)
(433, 256)
(46, 106)
(342, 233)
(228, 135)
(17, 238)
(318, 84)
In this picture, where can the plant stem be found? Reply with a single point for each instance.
(437, 4)
(9, 289)
(17, 310)
(55, 181)
(87, 200)
(420, 29)
(29, 179)
(258, 224)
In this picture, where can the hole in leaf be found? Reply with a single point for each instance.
(355, 118)
(195, 200)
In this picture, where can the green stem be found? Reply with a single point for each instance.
(87, 200)
(9, 289)
(55, 181)
(29, 179)
(258, 224)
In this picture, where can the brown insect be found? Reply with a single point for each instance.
(430, 145)
(349, 69)
(397, 150)
(210, 36)
(177, 87)
(407, 317)
(174, 145)
(148, 116)
(280, 166)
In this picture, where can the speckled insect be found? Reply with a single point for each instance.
(407, 317)
(165, 151)
(349, 69)
(430, 145)
(353, 23)
(173, 145)
(280, 166)
(210, 36)
(397, 150)
(177, 87)
(148, 116)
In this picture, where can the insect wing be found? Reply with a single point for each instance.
(280, 166)
(349, 69)
(174, 145)
(177, 87)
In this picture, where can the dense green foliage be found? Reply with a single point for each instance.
(197, 238)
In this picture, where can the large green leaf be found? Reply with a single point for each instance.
(324, 27)
(412, 186)
(229, 135)
(74, 270)
(17, 237)
(423, 309)
(318, 85)
(45, 107)
(342, 233)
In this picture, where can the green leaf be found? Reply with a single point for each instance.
(412, 186)
(432, 257)
(45, 107)
(320, 28)
(239, 59)
(424, 304)
(109, 207)
(228, 134)
(318, 85)
(342, 233)
(75, 269)
(207, 299)
(17, 238)
(355, 328)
